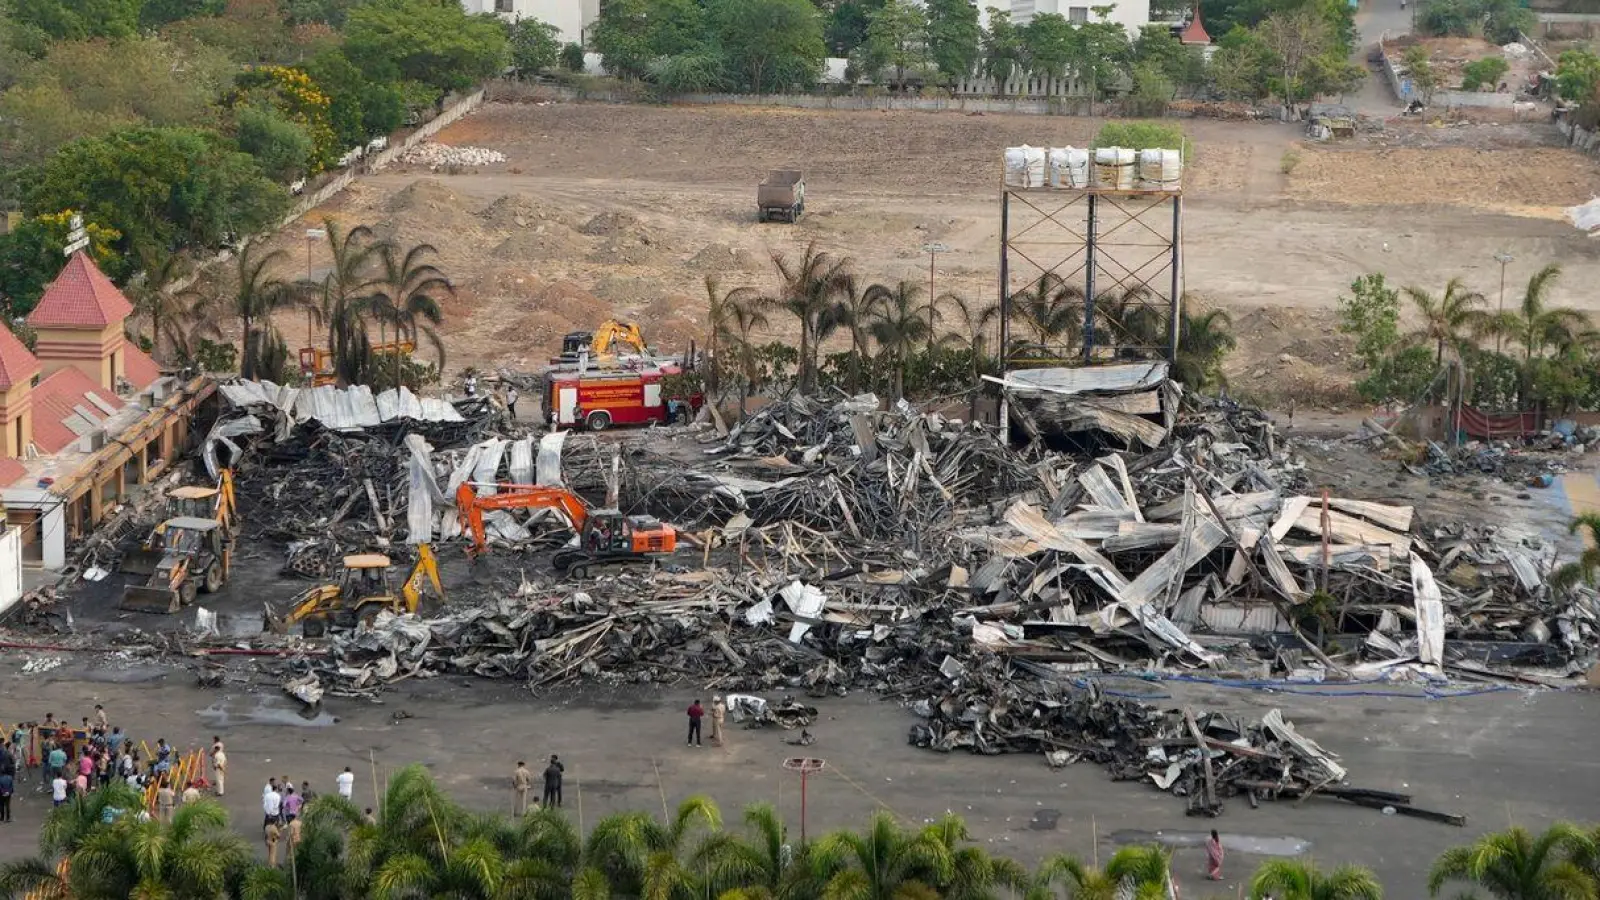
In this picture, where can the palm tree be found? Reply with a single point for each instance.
(194, 856)
(855, 310)
(974, 872)
(1448, 319)
(807, 290)
(744, 319)
(642, 857)
(257, 297)
(722, 328)
(156, 298)
(1517, 865)
(1131, 318)
(347, 298)
(409, 290)
(1582, 570)
(760, 866)
(1080, 881)
(1285, 879)
(1052, 312)
(884, 863)
(65, 830)
(975, 319)
(1535, 324)
(1203, 341)
(900, 326)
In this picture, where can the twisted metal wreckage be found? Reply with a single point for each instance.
(989, 587)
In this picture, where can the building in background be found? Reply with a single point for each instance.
(1130, 14)
(571, 17)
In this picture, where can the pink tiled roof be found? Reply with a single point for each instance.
(53, 401)
(140, 369)
(1194, 32)
(17, 365)
(80, 297)
(10, 471)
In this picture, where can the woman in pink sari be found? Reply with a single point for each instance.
(1214, 857)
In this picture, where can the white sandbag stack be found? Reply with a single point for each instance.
(1160, 170)
(1026, 167)
(1069, 167)
(1114, 168)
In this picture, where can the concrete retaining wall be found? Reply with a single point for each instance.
(1035, 105)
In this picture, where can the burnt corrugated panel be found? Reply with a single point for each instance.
(1232, 618)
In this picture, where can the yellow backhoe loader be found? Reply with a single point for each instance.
(183, 556)
(363, 591)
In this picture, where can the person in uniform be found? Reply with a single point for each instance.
(521, 783)
(719, 713)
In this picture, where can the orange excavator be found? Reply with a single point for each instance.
(604, 535)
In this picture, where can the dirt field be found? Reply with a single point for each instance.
(622, 210)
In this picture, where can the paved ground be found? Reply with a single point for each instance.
(1499, 758)
(1372, 21)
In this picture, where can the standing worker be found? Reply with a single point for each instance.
(347, 783)
(219, 763)
(271, 808)
(521, 783)
(166, 799)
(271, 833)
(552, 782)
(696, 713)
(719, 712)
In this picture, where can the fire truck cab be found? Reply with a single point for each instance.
(597, 400)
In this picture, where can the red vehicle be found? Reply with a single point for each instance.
(597, 400)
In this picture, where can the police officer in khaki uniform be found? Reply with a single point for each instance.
(521, 783)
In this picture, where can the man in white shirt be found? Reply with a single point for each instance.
(58, 790)
(271, 806)
(347, 783)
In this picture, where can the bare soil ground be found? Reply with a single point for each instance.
(605, 210)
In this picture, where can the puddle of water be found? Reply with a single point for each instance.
(1283, 845)
(1045, 819)
(265, 712)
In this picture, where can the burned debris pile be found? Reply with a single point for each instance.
(832, 545)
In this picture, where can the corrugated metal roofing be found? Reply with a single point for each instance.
(341, 409)
(1085, 379)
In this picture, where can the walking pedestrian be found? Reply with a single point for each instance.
(100, 720)
(552, 782)
(719, 712)
(347, 783)
(271, 805)
(166, 799)
(521, 783)
(271, 833)
(1214, 856)
(696, 712)
(8, 785)
(219, 763)
(58, 761)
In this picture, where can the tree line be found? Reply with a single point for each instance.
(904, 343)
(371, 282)
(1290, 49)
(177, 125)
(420, 843)
(1531, 355)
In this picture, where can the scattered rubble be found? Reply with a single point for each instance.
(438, 156)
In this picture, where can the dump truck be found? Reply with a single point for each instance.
(782, 197)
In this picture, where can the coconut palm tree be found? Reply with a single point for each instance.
(883, 863)
(257, 296)
(722, 327)
(1517, 865)
(743, 321)
(1448, 320)
(1130, 318)
(1052, 312)
(976, 319)
(156, 297)
(346, 299)
(807, 290)
(1535, 324)
(642, 857)
(975, 874)
(1203, 341)
(1079, 881)
(900, 325)
(65, 830)
(1285, 879)
(855, 310)
(408, 294)
(193, 856)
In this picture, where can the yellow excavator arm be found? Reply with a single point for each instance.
(312, 601)
(424, 572)
(611, 332)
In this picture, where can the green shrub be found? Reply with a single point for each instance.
(1144, 136)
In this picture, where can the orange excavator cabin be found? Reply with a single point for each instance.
(605, 535)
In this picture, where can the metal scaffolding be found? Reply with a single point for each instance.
(1089, 275)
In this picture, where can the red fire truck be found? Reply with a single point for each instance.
(601, 398)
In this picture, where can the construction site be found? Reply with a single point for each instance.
(1083, 607)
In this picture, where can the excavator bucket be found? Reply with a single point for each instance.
(150, 599)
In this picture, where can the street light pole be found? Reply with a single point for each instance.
(932, 249)
(1502, 258)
